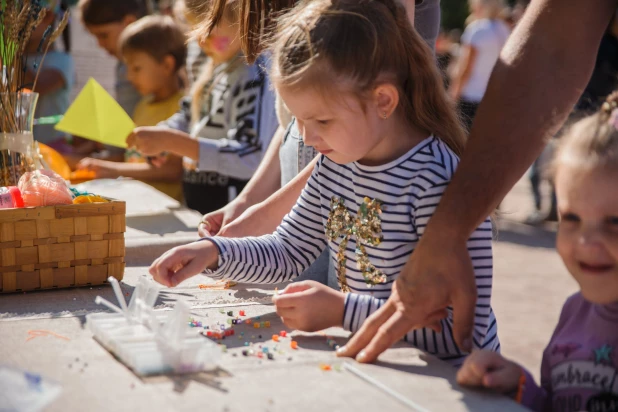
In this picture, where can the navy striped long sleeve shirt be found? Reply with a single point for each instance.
(409, 189)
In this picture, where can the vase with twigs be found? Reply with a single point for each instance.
(18, 97)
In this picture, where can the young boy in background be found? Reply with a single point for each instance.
(154, 51)
(105, 20)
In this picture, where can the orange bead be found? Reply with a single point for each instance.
(325, 367)
(294, 344)
(276, 338)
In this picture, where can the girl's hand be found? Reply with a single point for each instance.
(148, 140)
(102, 169)
(490, 370)
(212, 223)
(310, 306)
(183, 262)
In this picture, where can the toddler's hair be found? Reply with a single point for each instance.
(158, 36)
(98, 12)
(592, 141)
(357, 44)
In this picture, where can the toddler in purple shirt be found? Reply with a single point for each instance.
(579, 370)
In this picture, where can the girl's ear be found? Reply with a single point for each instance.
(386, 97)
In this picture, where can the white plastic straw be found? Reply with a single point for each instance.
(102, 301)
(384, 388)
(118, 292)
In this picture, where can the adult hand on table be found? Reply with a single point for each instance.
(438, 274)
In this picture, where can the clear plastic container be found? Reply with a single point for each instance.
(151, 342)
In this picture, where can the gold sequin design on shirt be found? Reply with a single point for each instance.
(367, 227)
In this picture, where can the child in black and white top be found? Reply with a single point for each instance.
(224, 127)
(389, 141)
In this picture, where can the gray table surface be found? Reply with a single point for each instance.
(92, 379)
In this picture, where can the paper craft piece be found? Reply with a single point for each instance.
(95, 115)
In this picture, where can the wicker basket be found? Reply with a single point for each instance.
(61, 246)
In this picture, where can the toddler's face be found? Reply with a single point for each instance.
(588, 233)
(338, 128)
(146, 73)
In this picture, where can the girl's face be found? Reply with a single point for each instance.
(588, 233)
(341, 128)
(224, 41)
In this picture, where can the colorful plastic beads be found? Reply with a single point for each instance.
(276, 338)
(256, 325)
(325, 366)
(241, 313)
(262, 325)
(245, 352)
(265, 349)
(267, 324)
(270, 356)
(230, 313)
(283, 334)
(294, 344)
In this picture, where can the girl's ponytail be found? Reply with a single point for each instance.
(427, 104)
